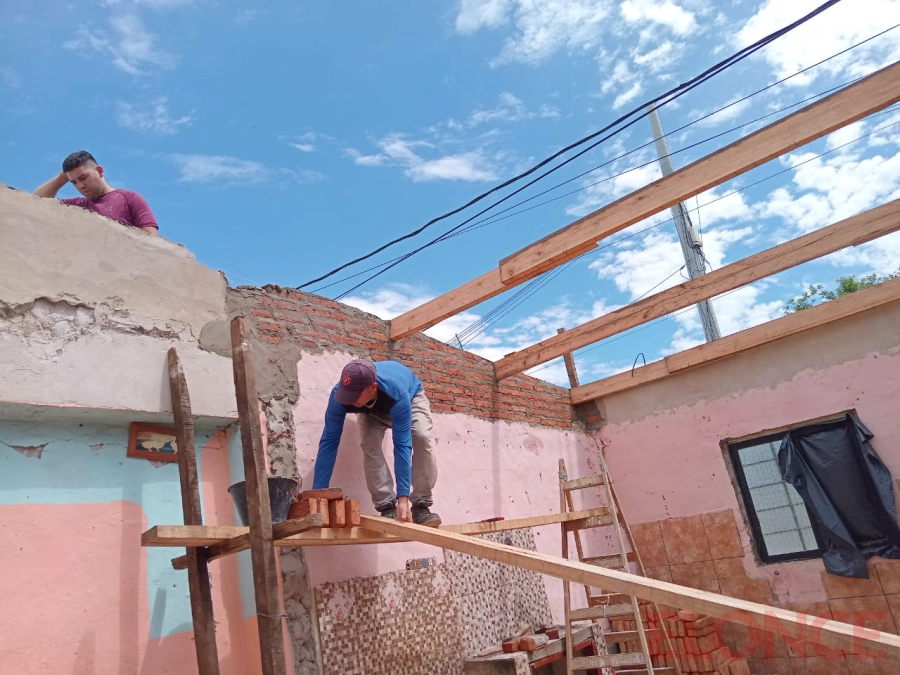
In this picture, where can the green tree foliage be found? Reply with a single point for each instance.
(817, 293)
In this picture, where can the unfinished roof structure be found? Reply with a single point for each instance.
(106, 334)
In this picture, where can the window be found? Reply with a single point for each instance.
(781, 525)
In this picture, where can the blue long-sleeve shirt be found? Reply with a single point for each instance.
(397, 385)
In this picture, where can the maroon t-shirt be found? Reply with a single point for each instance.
(123, 205)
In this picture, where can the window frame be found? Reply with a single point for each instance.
(732, 448)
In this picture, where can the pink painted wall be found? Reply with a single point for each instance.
(485, 469)
(75, 588)
(662, 440)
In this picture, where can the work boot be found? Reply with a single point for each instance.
(422, 515)
(389, 511)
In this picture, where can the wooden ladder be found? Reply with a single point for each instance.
(634, 652)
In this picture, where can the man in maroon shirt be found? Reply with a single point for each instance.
(86, 175)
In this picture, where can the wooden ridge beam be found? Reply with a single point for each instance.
(834, 634)
(869, 95)
(852, 231)
(833, 310)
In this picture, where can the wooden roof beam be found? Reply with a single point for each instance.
(833, 310)
(869, 95)
(850, 232)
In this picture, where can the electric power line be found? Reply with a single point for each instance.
(663, 99)
(494, 218)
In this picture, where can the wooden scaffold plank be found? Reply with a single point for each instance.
(830, 633)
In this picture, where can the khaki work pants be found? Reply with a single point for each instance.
(424, 466)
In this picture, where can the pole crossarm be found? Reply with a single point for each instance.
(853, 231)
(869, 95)
(833, 634)
(822, 314)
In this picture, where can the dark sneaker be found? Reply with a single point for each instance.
(422, 515)
(389, 512)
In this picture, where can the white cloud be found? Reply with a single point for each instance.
(836, 29)
(398, 150)
(395, 299)
(509, 108)
(234, 171)
(628, 96)
(666, 13)
(219, 169)
(307, 142)
(150, 118)
(541, 28)
(494, 343)
(127, 43)
(247, 16)
(476, 14)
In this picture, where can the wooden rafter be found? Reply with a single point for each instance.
(833, 310)
(850, 232)
(831, 633)
(852, 103)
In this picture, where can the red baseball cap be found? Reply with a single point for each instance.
(356, 376)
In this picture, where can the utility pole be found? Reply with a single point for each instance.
(691, 245)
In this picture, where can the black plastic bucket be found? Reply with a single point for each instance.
(281, 494)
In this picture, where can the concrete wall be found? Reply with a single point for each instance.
(663, 444)
(85, 300)
(88, 311)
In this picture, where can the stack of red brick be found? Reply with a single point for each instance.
(336, 509)
(692, 641)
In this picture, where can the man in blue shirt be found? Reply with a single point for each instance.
(385, 395)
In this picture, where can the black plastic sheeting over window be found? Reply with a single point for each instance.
(847, 490)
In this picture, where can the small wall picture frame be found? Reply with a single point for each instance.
(151, 441)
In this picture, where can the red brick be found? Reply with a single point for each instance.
(261, 312)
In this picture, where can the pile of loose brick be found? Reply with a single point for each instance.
(693, 642)
(337, 510)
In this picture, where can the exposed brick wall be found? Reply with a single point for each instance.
(455, 380)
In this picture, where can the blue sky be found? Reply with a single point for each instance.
(278, 141)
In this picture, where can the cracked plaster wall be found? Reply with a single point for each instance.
(89, 308)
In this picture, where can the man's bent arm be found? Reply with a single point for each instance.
(328, 444)
(141, 214)
(52, 186)
(401, 430)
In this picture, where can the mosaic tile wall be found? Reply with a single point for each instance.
(426, 621)
(493, 600)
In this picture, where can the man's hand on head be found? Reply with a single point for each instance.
(404, 511)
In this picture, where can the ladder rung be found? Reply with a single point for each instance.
(612, 561)
(600, 612)
(644, 671)
(587, 523)
(611, 661)
(632, 635)
(581, 483)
